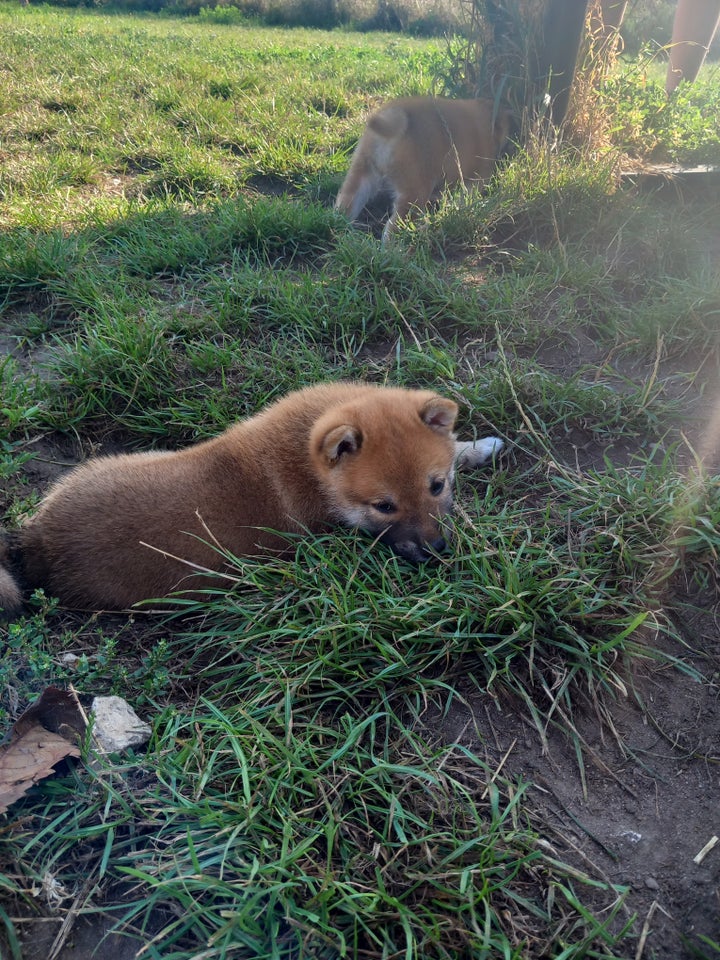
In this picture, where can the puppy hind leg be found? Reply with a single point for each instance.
(473, 453)
(403, 204)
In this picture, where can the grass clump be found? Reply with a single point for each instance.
(280, 832)
(517, 602)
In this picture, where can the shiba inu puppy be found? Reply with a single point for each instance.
(413, 146)
(125, 528)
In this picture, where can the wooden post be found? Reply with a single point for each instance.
(693, 30)
(556, 53)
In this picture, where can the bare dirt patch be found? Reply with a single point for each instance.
(649, 800)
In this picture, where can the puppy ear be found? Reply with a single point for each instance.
(439, 414)
(342, 441)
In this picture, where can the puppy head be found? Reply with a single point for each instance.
(385, 464)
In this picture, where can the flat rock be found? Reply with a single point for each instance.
(117, 727)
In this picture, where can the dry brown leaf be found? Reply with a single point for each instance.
(46, 733)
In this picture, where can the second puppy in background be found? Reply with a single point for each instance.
(413, 146)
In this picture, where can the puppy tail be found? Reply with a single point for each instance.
(390, 122)
(11, 599)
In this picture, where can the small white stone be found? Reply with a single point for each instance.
(116, 726)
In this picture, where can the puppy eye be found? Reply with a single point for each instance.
(437, 486)
(385, 506)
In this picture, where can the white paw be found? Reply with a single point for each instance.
(471, 453)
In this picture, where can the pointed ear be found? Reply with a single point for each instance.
(342, 441)
(439, 414)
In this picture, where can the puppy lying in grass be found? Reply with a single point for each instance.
(121, 529)
(413, 146)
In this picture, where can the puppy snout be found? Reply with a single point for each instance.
(416, 551)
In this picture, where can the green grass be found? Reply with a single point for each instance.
(681, 129)
(170, 262)
(175, 109)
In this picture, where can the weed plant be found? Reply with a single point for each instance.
(170, 262)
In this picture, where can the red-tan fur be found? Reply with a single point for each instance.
(413, 146)
(319, 457)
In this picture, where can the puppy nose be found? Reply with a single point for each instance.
(439, 545)
(419, 551)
